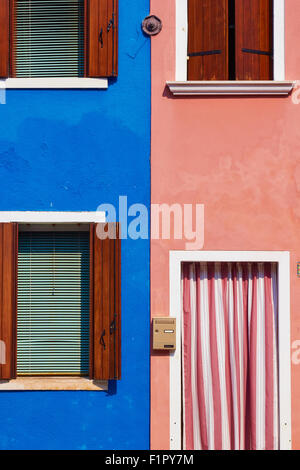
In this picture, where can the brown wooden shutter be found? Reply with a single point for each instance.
(8, 297)
(4, 38)
(101, 38)
(105, 299)
(207, 39)
(254, 43)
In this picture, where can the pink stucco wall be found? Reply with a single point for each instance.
(240, 157)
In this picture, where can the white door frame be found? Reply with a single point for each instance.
(283, 259)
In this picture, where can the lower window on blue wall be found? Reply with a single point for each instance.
(60, 300)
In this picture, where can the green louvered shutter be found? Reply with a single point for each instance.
(48, 38)
(53, 303)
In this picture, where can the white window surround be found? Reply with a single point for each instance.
(54, 83)
(278, 86)
(52, 217)
(52, 383)
(283, 259)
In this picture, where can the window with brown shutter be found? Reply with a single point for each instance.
(102, 38)
(230, 40)
(4, 38)
(254, 43)
(65, 38)
(105, 302)
(208, 40)
(50, 324)
(8, 298)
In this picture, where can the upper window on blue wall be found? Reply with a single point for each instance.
(58, 38)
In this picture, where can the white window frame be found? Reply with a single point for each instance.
(276, 86)
(283, 259)
(53, 383)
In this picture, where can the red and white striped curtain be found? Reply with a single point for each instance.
(230, 363)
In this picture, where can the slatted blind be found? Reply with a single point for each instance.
(48, 38)
(53, 303)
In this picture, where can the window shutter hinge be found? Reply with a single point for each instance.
(259, 52)
(203, 53)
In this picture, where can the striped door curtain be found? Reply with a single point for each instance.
(230, 360)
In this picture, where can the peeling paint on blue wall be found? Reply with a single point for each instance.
(71, 150)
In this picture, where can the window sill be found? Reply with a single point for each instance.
(46, 83)
(53, 383)
(223, 88)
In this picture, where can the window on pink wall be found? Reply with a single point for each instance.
(230, 40)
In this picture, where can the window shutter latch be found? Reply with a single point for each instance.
(113, 326)
(110, 24)
(101, 37)
(102, 342)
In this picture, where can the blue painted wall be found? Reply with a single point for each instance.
(71, 150)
